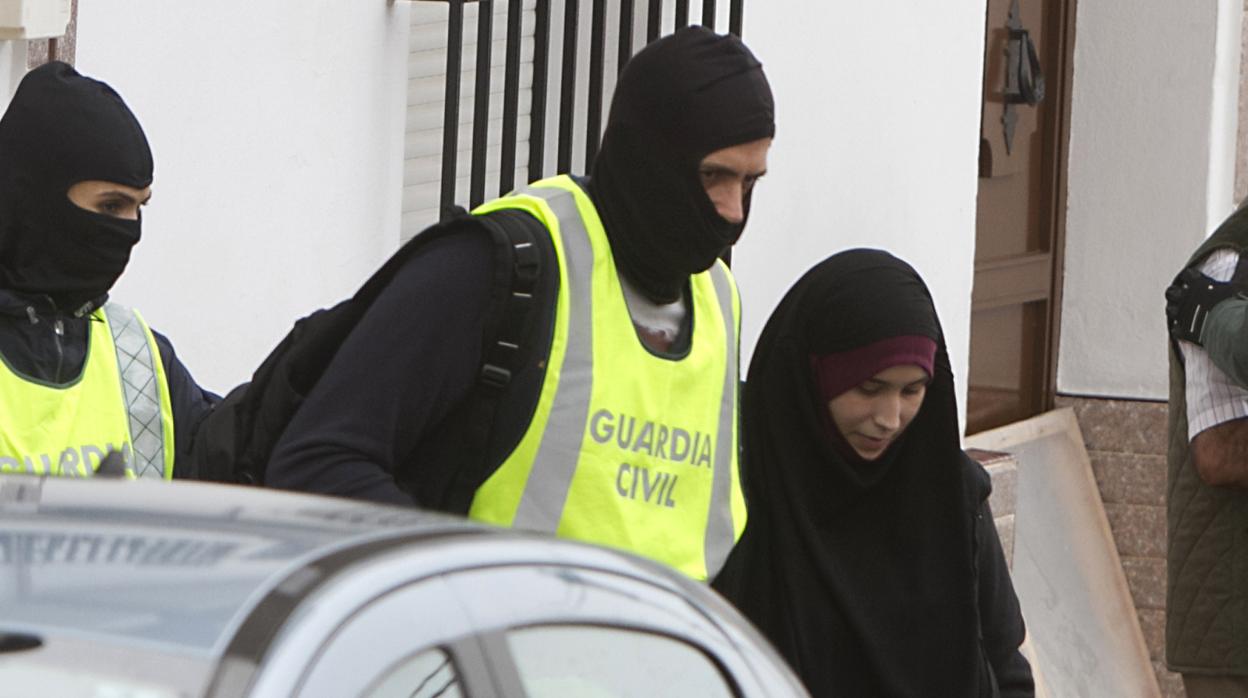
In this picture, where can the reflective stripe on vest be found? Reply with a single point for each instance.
(119, 403)
(536, 488)
(140, 371)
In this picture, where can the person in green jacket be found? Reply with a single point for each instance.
(1207, 469)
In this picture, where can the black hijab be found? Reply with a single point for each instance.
(861, 576)
(60, 129)
(678, 100)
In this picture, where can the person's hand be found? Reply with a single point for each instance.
(1189, 300)
(113, 464)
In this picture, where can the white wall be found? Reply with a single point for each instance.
(1152, 134)
(877, 136)
(277, 130)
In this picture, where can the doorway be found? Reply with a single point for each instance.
(1019, 221)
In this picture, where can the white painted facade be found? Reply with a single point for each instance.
(278, 130)
(877, 139)
(1152, 150)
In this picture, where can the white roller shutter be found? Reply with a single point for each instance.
(426, 104)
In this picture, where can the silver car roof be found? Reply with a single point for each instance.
(170, 565)
(153, 583)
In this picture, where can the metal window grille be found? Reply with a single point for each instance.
(556, 60)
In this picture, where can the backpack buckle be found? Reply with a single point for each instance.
(527, 265)
(494, 376)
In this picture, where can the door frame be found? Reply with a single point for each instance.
(1058, 156)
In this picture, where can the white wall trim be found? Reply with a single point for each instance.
(12, 67)
(1224, 117)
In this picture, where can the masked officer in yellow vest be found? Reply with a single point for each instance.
(620, 426)
(80, 376)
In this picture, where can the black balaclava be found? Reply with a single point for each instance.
(678, 100)
(62, 128)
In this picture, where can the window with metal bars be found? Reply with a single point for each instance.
(505, 92)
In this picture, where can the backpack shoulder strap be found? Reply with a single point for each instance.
(517, 269)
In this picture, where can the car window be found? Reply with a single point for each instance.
(559, 661)
(426, 675)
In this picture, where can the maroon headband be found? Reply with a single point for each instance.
(837, 373)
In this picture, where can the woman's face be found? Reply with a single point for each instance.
(872, 415)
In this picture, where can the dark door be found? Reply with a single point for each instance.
(1018, 227)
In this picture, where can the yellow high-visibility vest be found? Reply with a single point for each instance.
(120, 402)
(626, 448)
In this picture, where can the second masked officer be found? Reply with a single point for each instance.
(80, 375)
(619, 426)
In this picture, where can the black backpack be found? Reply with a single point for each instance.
(234, 442)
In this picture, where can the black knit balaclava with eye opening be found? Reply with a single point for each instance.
(678, 100)
(60, 129)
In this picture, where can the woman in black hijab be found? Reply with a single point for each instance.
(870, 559)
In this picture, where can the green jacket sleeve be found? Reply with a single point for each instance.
(1226, 338)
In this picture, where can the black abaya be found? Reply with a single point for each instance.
(865, 574)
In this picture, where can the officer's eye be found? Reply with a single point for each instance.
(112, 206)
